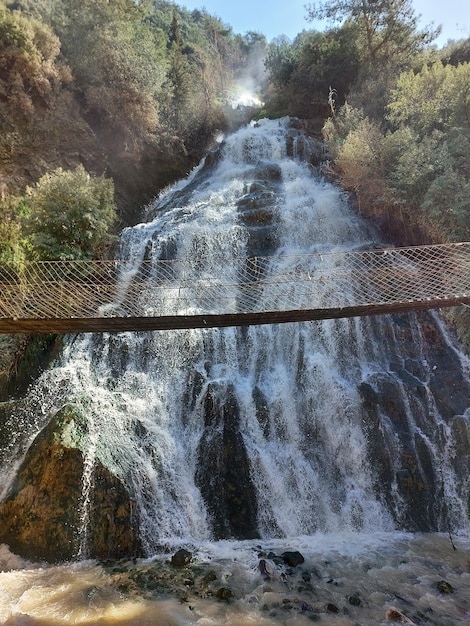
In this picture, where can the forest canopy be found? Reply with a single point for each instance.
(128, 96)
(130, 91)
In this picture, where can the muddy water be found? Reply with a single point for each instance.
(345, 579)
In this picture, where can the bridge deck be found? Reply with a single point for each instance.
(115, 296)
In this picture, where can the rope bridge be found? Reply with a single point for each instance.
(134, 295)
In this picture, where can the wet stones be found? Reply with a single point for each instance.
(179, 577)
(258, 212)
(292, 584)
(315, 590)
(265, 570)
(355, 600)
(394, 615)
(273, 567)
(224, 594)
(181, 558)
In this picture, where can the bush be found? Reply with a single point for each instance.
(72, 214)
(416, 159)
(13, 245)
(447, 203)
(359, 161)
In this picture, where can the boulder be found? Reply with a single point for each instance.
(292, 559)
(42, 516)
(181, 558)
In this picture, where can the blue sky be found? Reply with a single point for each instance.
(287, 17)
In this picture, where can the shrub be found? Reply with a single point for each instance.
(359, 160)
(13, 244)
(72, 214)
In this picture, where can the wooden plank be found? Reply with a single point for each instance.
(178, 322)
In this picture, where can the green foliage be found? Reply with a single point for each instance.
(436, 98)
(337, 129)
(447, 204)
(120, 86)
(301, 74)
(387, 28)
(72, 214)
(417, 160)
(118, 62)
(14, 246)
(429, 148)
(30, 73)
(360, 161)
(329, 59)
(281, 60)
(456, 52)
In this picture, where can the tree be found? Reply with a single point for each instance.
(281, 60)
(359, 160)
(119, 63)
(30, 74)
(435, 98)
(301, 73)
(388, 27)
(71, 214)
(328, 60)
(180, 72)
(447, 204)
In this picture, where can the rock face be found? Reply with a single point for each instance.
(41, 515)
(223, 475)
(405, 440)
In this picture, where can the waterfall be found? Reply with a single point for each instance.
(270, 431)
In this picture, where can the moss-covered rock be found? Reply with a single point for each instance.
(43, 515)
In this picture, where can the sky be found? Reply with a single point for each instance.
(287, 17)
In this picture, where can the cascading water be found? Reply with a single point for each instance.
(257, 431)
(266, 432)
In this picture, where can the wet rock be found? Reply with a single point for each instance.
(267, 172)
(331, 608)
(223, 473)
(40, 517)
(262, 413)
(224, 594)
(355, 600)
(292, 559)
(209, 578)
(265, 570)
(404, 477)
(397, 404)
(394, 615)
(278, 560)
(444, 587)
(181, 558)
(258, 211)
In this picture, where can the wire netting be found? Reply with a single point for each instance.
(152, 288)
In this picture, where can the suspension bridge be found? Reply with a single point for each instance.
(143, 295)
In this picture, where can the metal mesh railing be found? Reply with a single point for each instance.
(152, 288)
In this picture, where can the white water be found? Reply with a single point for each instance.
(385, 571)
(309, 461)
